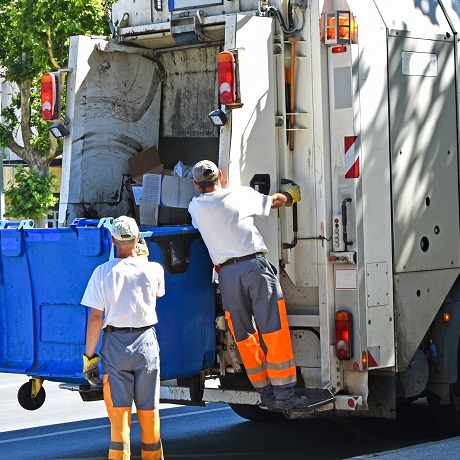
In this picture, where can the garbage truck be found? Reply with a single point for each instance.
(357, 102)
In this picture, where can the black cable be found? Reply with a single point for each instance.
(274, 11)
(320, 237)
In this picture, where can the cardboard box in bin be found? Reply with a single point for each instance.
(136, 194)
(145, 162)
(170, 191)
(173, 216)
(148, 213)
(152, 214)
(177, 192)
(151, 188)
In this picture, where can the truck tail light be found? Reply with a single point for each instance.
(49, 88)
(343, 334)
(226, 77)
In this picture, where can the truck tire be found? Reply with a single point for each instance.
(447, 416)
(256, 414)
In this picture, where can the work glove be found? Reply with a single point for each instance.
(90, 369)
(293, 190)
(141, 248)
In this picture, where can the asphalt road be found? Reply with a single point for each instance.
(67, 428)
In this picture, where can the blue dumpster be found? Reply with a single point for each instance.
(186, 313)
(44, 272)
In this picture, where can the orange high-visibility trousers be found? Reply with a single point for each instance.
(120, 426)
(149, 421)
(130, 361)
(254, 304)
(277, 365)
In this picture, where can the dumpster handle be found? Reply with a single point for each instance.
(25, 224)
(83, 222)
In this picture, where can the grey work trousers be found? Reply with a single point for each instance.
(132, 362)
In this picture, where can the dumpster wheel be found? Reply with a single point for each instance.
(26, 397)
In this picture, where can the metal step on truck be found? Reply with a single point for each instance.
(357, 102)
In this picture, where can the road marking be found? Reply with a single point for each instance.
(11, 385)
(79, 430)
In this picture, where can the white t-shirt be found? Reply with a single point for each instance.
(225, 219)
(126, 290)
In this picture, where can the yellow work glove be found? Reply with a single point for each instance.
(142, 249)
(293, 190)
(90, 369)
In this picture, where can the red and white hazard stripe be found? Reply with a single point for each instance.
(373, 357)
(352, 166)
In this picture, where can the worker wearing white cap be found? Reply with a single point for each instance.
(250, 289)
(122, 295)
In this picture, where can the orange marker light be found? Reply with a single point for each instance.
(338, 27)
(344, 26)
(364, 360)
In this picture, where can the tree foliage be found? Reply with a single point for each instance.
(30, 195)
(35, 38)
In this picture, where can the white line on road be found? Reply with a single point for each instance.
(78, 430)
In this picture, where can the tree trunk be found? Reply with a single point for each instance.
(41, 222)
(34, 158)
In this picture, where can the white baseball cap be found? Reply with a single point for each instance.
(124, 228)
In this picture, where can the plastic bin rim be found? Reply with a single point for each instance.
(145, 231)
(169, 230)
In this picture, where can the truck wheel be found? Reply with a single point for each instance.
(25, 397)
(256, 414)
(248, 411)
(447, 416)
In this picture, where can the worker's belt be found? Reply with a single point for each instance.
(126, 329)
(235, 260)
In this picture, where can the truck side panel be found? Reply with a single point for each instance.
(424, 182)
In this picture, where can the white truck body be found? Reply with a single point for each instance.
(375, 152)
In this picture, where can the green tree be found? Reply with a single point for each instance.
(34, 40)
(30, 195)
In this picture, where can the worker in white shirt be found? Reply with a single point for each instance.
(122, 295)
(251, 293)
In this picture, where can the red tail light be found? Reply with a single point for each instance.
(339, 49)
(226, 77)
(343, 334)
(49, 88)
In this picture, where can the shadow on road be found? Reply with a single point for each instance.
(215, 432)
